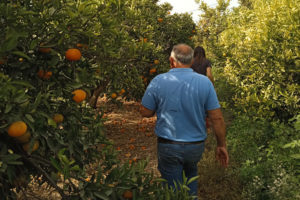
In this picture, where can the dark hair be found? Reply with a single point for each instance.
(182, 53)
(199, 53)
(200, 62)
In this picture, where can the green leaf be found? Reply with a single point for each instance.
(51, 122)
(192, 179)
(296, 156)
(23, 83)
(55, 164)
(9, 44)
(29, 117)
(21, 54)
(8, 108)
(101, 196)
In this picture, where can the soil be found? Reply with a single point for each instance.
(134, 137)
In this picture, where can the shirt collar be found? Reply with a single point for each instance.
(181, 70)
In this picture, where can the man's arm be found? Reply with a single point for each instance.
(145, 112)
(220, 130)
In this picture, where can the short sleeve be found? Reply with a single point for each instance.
(212, 101)
(150, 96)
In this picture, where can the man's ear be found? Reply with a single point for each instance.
(172, 62)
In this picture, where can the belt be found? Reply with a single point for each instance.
(166, 141)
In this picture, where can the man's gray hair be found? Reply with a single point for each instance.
(182, 53)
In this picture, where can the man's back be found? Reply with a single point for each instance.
(180, 98)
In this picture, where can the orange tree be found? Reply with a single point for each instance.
(256, 50)
(45, 87)
(148, 34)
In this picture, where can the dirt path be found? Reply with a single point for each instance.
(134, 138)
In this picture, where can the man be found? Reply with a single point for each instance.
(180, 99)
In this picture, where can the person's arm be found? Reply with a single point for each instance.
(219, 128)
(209, 74)
(145, 112)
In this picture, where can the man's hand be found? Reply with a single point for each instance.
(222, 156)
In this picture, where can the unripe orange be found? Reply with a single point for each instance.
(58, 118)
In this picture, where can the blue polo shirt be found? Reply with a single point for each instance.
(180, 98)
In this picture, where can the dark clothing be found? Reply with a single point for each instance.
(200, 67)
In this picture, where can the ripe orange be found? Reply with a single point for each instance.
(79, 45)
(113, 95)
(153, 70)
(122, 91)
(21, 59)
(2, 61)
(128, 194)
(145, 40)
(79, 95)
(58, 118)
(193, 31)
(47, 75)
(169, 12)
(73, 54)
(35, 146)
(41, 73)
(17, 129)
(156, 62)
(160, 20)
(24, 138)
(44, 50)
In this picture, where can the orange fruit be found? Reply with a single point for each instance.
(41, 73)
(47, 75)
(79, 45)
(128, 194)
(113, 95)
(145, 40)
(35, 146)
(122, 91)
(160, 20)
(44, 50)
(169, 12)
(156, 62)
(73, 54)
(79, 95)
(193, 31)
(21, 59)
(17, 129)
(58, 118)
(153, 70)
(24, 138)
(2, 61)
